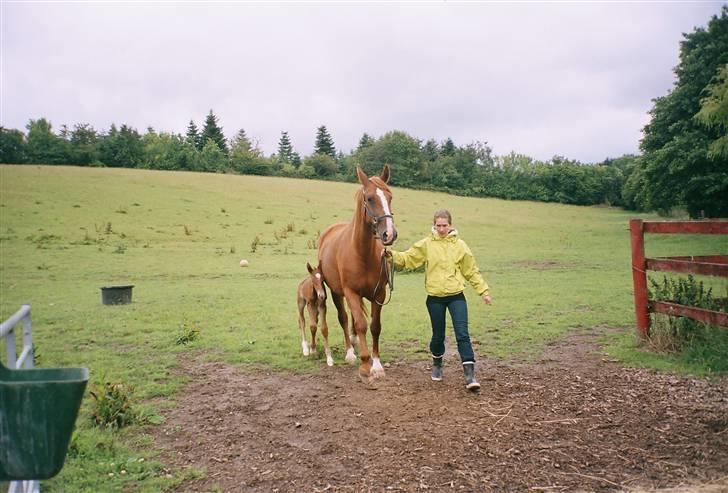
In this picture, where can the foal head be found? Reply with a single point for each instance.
(377, 199)
(317, 281)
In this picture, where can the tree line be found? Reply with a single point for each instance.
(683, 163)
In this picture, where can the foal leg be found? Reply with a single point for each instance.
(302, 326)
(312, 323)
(344, 322)
(376, 327)
(325, 332)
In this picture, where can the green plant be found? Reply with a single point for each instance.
(254, 244)
(680, 331)
(112, 407)
(186, 334)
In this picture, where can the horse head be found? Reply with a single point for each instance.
(317, 281)
(376, 201)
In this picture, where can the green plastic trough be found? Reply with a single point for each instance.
(38, 409)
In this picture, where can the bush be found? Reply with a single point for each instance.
(681, 332)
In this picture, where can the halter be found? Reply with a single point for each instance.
(375, 219)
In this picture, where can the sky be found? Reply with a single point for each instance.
(574, 79)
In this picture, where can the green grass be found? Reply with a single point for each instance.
(179, 237)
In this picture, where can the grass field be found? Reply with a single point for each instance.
(179, 237)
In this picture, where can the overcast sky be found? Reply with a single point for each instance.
(541, 78)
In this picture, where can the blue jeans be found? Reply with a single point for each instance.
(458, 307)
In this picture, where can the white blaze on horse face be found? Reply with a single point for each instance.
(387, 213)
(318, 276)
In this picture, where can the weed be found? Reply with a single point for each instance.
(683, 291)
(188, 230)
(312, 244)
(232, 249)
(269, 221)
(121, 210)
(290, 227)
(120, 248)
(112, 407)
(254, 244)
(186, 334)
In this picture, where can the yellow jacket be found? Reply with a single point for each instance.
(448, 264)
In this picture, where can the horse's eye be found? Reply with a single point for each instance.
(370, 200)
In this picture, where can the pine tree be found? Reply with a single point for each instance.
(324, 143)
(285, 149)
(448, 147)
(241, 142)
(365, 141)
(193, 135)
(213, 131)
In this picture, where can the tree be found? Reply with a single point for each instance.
(401, 152)
(680, 169)
(323, 164)
(193, 135)
(122, 148)
(285, 149)
(212, 158)
(12, 146)
(714, 113)
(45, 147)
(84, 140)
(448, 147)
(212, 131)
(324, 143)
(365, 141)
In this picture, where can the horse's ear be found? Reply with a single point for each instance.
(363, 178)
(310, 269)
(385, 174)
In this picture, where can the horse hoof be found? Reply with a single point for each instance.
(330, 361)
(376, 374)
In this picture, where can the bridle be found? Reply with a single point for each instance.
(375, 219)
(385, 266)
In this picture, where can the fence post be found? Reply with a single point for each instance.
(639, 277)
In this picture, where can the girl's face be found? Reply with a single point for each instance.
(442, 226)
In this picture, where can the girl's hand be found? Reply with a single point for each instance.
(487, 299)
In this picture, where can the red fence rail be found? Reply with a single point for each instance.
(706, 265)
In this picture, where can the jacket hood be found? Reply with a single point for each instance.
(452, 235)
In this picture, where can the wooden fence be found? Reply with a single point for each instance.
(707, 265)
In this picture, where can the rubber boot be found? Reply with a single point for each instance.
(437, 368)
(470, 382)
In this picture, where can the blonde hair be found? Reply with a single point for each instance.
(444, 213)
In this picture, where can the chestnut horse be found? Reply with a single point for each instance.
(311, 294)
(350, 258)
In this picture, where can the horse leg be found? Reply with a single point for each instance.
(376, 327)
(325, 332)
(354, 338)
(344, 322)
(302, 326)
(360, 325)
(312, 323)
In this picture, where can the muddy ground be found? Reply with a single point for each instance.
(570, 421)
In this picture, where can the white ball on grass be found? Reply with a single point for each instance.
(243, 263)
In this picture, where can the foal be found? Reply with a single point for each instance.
(312, 294)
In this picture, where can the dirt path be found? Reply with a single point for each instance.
(572, 421)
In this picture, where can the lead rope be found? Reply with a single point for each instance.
(387, 268)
